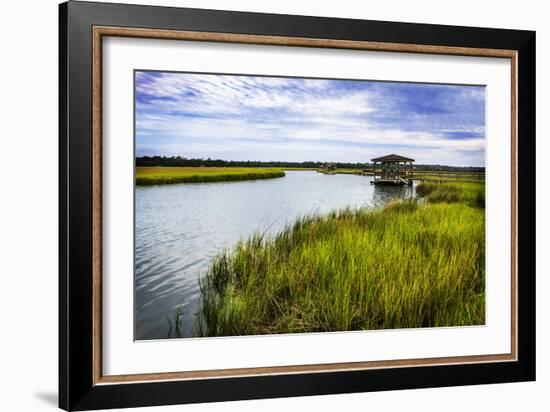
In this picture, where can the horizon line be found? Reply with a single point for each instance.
(294, 161)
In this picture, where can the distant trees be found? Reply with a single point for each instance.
(175, 161)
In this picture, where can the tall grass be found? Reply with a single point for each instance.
(472, 194)
(169, 175)
(449, 177)
(404, 266)
(175, 323)
(342, 171)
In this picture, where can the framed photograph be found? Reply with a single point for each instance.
(256, 205)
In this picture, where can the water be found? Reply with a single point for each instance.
(180, 228)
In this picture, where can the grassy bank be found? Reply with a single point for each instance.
(449, 177)
(342, 171)
(472, 194)
(404, 266)
(168, 175)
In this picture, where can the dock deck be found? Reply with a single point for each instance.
(398, 181)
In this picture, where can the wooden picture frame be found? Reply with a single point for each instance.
(82, 28)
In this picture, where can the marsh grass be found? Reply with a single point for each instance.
(175, 323)
(472, 194)
(404, 266)
(169, 175)
(342, 171)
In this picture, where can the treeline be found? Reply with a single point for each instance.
(185, 162)
(178, 161)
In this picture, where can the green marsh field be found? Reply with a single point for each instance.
(169, 175)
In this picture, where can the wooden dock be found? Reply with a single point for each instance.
(392, 170)
(397, 181)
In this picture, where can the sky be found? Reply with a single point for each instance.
(234, 117)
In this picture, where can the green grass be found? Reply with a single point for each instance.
(175, 323)
(408, 265)
(342, 171)
(449, 177)
(168, 175)
(472, 194)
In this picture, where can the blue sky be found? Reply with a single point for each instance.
(292, 119)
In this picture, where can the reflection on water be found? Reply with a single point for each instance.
(180, 228)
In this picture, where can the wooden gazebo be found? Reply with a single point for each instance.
(328, 168)
(392, 170)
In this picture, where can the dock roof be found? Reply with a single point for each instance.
(392, 158)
